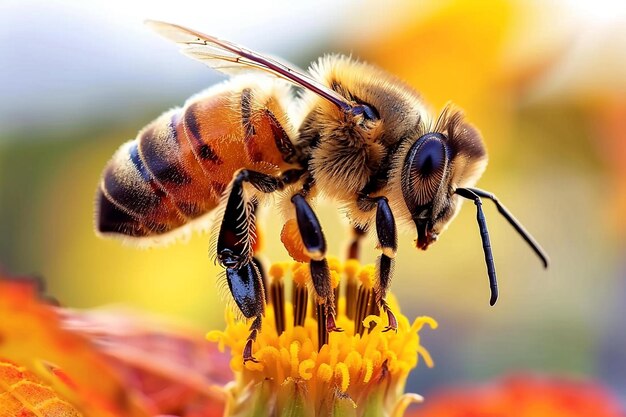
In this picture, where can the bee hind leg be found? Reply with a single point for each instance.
(236, 235)
(246, 286)
(235, 249)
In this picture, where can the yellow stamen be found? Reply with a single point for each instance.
(354, 366)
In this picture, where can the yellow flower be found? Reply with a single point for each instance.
(361, 371)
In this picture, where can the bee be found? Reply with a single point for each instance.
(355, 135)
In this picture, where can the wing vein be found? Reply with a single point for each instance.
(215, 52)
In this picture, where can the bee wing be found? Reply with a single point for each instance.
(231, 59)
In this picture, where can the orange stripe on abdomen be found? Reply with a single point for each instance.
(174, 167)
(214, 134)
(181, 163)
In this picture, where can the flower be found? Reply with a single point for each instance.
(23, 394)
(105, 363)
(361, 371)
(524, 396)
(148, 367)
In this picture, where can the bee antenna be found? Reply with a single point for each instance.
(484, 236)
(536, 247)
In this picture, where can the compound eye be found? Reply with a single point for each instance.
(429, 158)
(426, 169)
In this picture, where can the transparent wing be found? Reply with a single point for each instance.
(231, 59)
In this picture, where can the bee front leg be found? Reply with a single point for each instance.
(315, 245)
(388, 244)
(234, 247)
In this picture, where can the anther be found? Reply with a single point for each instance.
(364, 299)
(299, 294)
(351, 269)
(363, 302)
(277, 297)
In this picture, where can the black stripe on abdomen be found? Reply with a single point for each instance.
(202, 149)
(111, 218)
(133, 192)
(160, 153)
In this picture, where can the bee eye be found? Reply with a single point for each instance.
(429, 158)
(424, 169)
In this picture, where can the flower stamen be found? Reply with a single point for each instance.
(299, 294)
(277, 297)
(303, 367)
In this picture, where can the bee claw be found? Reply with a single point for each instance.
(250, 359)
(388, 328)
(247, 353)
(391, 318)
(331, 325)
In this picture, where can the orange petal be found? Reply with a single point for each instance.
(23, 394)
(31, 336)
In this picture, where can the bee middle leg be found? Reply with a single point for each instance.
(234, 247)
(315, 245)
(388, 244)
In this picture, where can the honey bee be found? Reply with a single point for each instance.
(356, 135)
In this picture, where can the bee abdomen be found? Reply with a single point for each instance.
(113, 218)
(179, 165)
(131, 201)
(167, 156)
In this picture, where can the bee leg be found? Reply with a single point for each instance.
(259, 266)
(388, 244)
(234, 247)
(315, 245)
(246, 286)
(234, 243)
(384, 267)
(255, 249)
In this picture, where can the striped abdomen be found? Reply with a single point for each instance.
(180, 164)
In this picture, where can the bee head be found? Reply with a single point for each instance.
(437, 162)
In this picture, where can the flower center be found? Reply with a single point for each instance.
(299, 361)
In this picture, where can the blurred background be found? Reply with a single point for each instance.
(545, 82)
